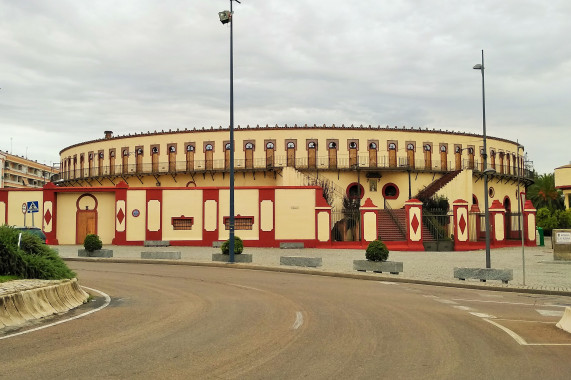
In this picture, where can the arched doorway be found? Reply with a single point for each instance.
(85, 217)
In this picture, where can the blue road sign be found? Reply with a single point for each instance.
(33, 207)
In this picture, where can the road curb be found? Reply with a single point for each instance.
(25, 305)
(363, 276)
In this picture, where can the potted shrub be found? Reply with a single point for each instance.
(239, 257)
(93, 247)
(377, 254)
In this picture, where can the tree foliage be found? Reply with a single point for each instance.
(544, 194)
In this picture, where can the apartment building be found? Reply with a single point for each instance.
(19, 172)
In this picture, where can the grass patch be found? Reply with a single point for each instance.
(8, 278)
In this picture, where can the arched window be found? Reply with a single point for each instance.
(139, 151)
(190, 148)
(427, 148)
(100, 154)
(125, 152)
(352, 145)
(111, 154)
(332, 145)
(355, 191)
(470, 150)
(372, 145)
(270, 145)
(458, 149)
(155, 150)
(227, 147)
(443, 148)
(208, 147)
(312, 145)
(249, 145)
(172, 149)
(392, 146)
(410, 147)
(493, 153)
(290, 145)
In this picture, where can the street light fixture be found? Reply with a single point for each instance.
(226, 17)
(480, 66)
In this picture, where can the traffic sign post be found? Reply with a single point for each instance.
(31, 208)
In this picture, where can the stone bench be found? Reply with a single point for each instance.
(166, 255)
(156, 243)
(217, 244)
(393, 267)
(484, 274)
(291, 245)
(300, 261)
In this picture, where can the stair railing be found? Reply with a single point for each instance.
(395, 219)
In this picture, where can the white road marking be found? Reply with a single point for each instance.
(387, 283)
(506, 303)
(519, 339)
(516, 337)
(465, 308)
(482, 315)
(107, 302)
(446, 301)
(298, 320)
(550, 313)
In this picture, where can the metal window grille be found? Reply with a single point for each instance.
(182, 223)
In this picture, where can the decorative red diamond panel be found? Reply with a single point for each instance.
(462, 224)
(48, 217)
(414, 224)
(120, 216)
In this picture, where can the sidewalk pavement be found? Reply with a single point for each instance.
(542, 273)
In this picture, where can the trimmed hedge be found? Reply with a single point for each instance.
(92, 243)
(377, 251)
(238, 246)
(33, 259)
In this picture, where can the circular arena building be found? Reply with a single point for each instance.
(312, 185)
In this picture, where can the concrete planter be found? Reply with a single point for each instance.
(97, 253)
(484, 274)
(301, 261)
(393, 267)
(241, 258)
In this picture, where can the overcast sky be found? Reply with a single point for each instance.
(70, 69)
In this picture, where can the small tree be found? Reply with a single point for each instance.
(238, 246)
(92, 243)
(377, 251)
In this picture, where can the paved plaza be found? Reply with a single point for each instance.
(541, 271)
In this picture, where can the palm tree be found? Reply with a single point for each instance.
(544, 194)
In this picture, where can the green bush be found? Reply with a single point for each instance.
(92, 243)
(377, 251)
(33, 259)
(238, 246)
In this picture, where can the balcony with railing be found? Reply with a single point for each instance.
(275, 163)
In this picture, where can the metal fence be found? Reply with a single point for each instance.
(438, 224)
(346, 225)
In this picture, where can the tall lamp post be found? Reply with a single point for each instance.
(226, 17)
(520, 206)
(480, 66)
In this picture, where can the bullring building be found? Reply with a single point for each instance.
(293, 183)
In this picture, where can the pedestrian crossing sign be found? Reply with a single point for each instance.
(33, 207)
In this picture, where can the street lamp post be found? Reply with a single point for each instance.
(520, 207)
(486, 171)
(226, 17)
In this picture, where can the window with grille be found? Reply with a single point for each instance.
(182, 223)
(240, 222)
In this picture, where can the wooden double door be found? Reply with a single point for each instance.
(86, 223)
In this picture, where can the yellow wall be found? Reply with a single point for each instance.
(177, 203)
(15, 201)
(295, 215)
(246, 203)
(136, 199)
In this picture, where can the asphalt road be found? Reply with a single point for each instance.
(197, 322)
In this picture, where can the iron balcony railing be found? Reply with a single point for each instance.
(360, 162)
